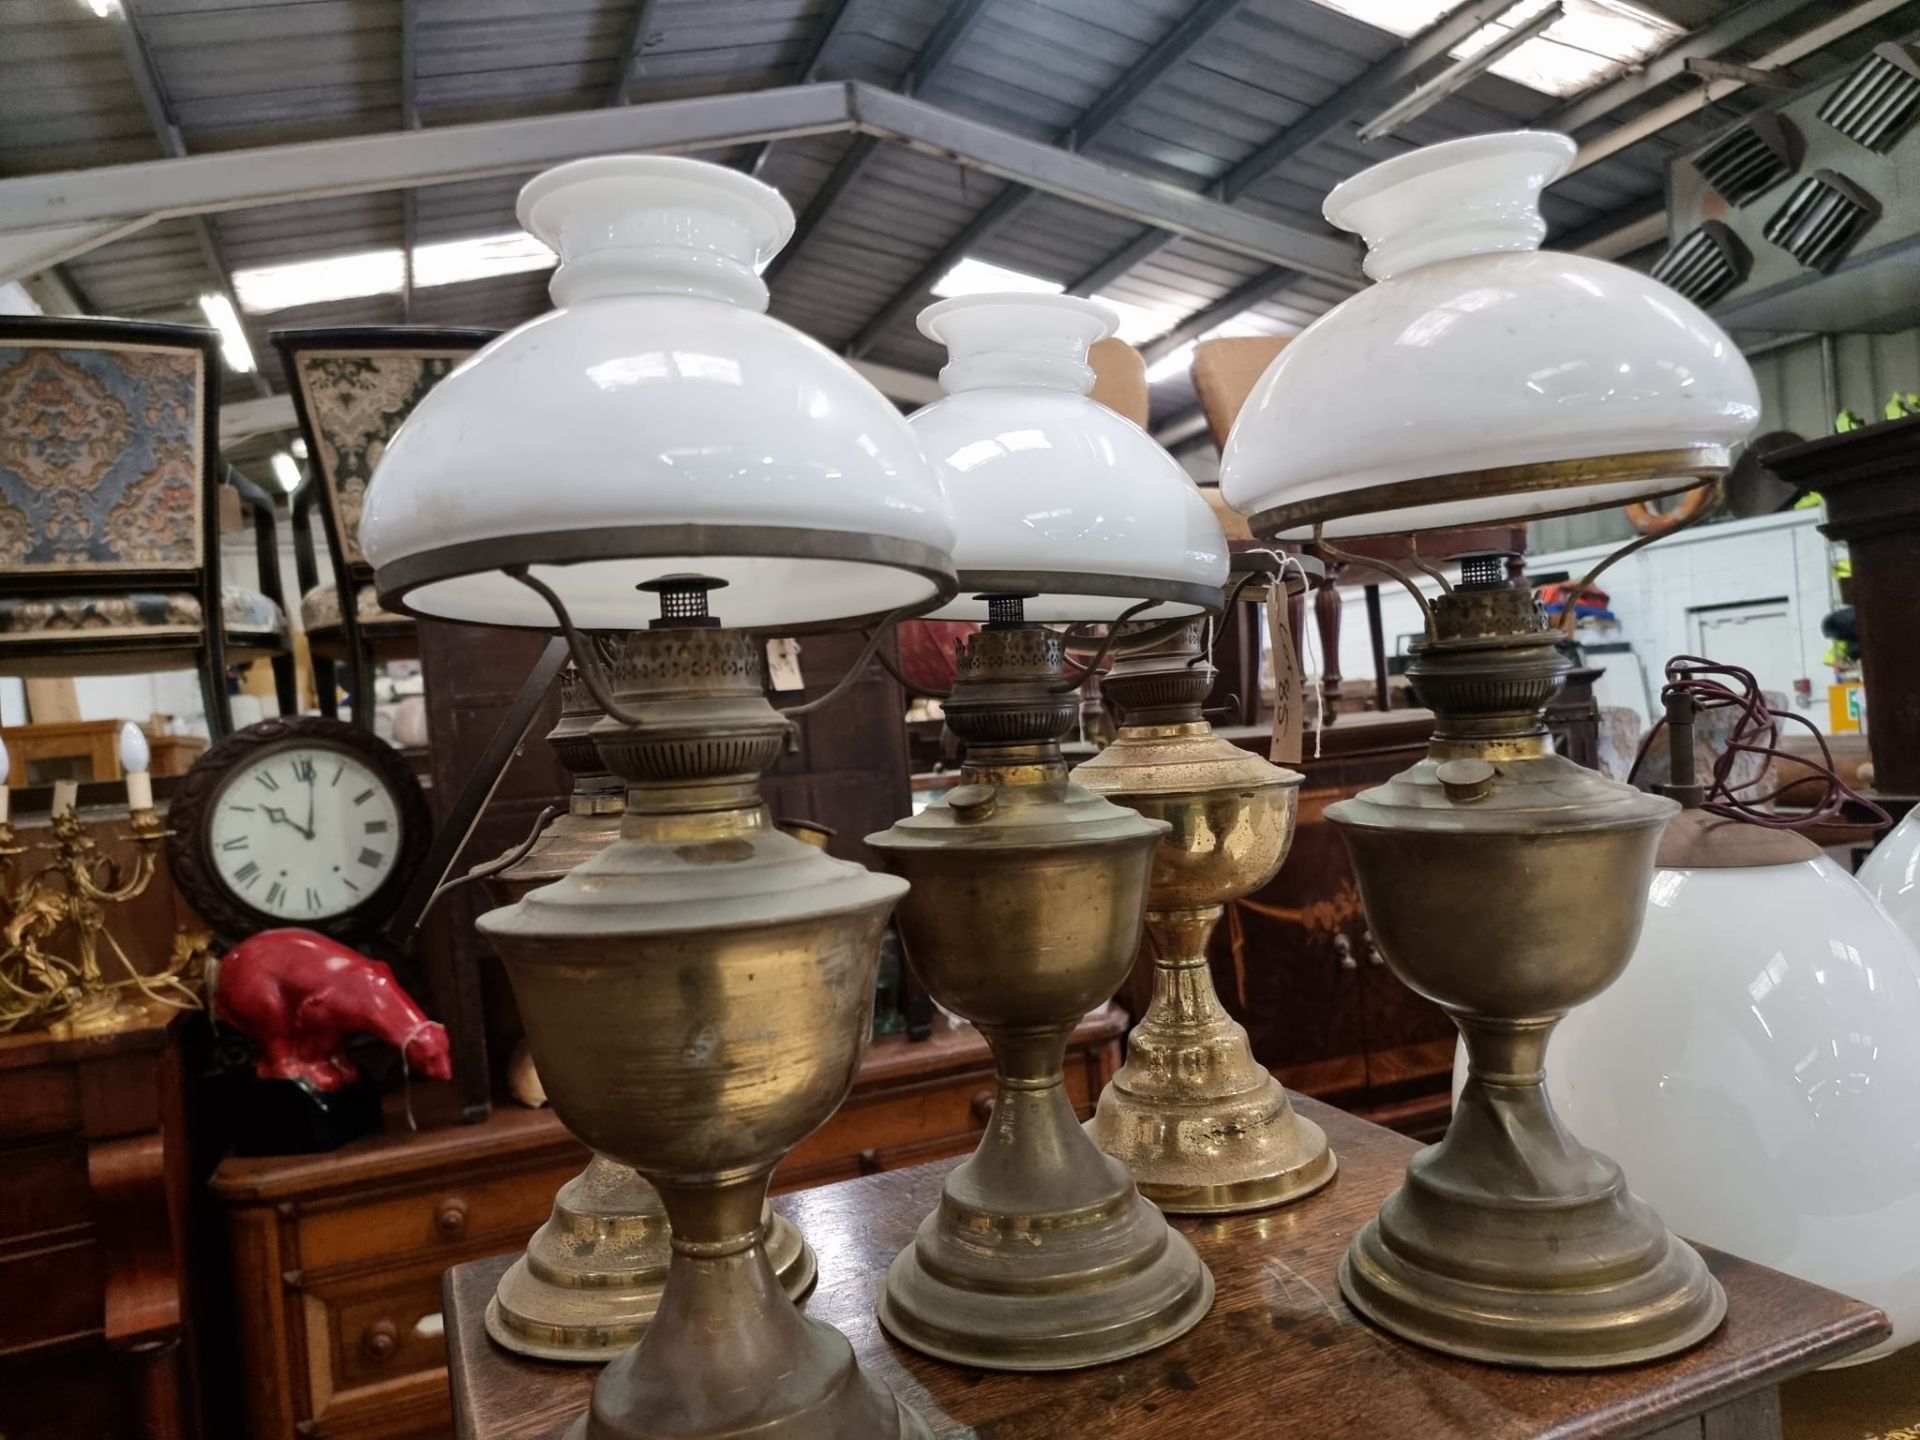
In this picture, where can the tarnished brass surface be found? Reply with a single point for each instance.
(1203, 1126)
(591, 1277)
(1024, 914)
(1507, 884)
(1686, 468)
(698, 996)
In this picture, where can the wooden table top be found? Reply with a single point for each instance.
(1280, 1353)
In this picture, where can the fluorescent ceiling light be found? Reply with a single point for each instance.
(233, 336)
(1140, 323)
(103, 8)
(450, 262)
(977, 277)
(285, 471)
(315, 282)
(1594, 41)
(299, 448)
(384, 272)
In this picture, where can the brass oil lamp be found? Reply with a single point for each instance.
(1024, 914)
(1501, 880)
(698, 994)
(1203, 1126)
(591, 1277)
(1510, 1240)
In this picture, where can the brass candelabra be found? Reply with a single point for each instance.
(60, 964)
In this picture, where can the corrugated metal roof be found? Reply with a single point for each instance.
(241, 73)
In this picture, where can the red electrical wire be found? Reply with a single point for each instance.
(1756, 731)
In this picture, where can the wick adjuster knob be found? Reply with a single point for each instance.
(1465, 780)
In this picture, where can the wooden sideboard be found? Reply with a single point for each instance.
(94, 1337)
(337, 1258)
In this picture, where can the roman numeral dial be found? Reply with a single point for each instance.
(302, 832)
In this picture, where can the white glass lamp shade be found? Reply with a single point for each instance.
(1054, 495)
(1431, 399)
(657, 423)
(1891, 875)
(1756, 1070)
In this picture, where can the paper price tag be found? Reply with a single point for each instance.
(1283, 663)
(783, 664)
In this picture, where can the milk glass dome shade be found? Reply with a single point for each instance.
(1891, 874)
(1482, 380)
(1054, 495)
(1756, 1070)
(657, 423)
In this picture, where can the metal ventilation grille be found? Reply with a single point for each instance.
(1876, 103)
(1705, 264)
(1749, 159)
(1821, 219)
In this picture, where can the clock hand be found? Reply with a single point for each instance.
(309, 830)
(279, 817)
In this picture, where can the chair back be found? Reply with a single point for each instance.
(109, 454)
(1225, 372)
(352, 388)
(1119, 379)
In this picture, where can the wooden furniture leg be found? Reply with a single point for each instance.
(1326, 614)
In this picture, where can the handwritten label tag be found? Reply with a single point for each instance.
(783, 664)
(1283, 663)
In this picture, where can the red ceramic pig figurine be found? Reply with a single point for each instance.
(298, 995)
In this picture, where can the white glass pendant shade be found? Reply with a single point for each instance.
(1054, 495)
(1891, 874)
(1478, 352)
(656, 423)
(1756, 1070)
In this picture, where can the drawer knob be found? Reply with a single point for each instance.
(381, 1339)
(1343, 949)
(983, 1105)
(451, 1218)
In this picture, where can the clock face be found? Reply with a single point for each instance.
(304, 832)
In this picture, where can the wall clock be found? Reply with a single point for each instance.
(303, 821)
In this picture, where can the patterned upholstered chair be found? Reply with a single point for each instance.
(109, 510)
(351, 389)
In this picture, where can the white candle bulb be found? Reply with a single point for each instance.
(65, 792)
(134, 759)
(134, 755)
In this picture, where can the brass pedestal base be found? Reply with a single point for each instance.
(1513, 1243)
(994, 1281)
(590, 1280)
(1204, 1128)
(731, 1357)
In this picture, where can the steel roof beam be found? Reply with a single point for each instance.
(958, 18)
(1421, 50)
(1163, 56)
(410, 118)
(1671, 63)
(804, 73)
(1099, 186)
(153, 99)
(1257, 291)
(115, 199)
(621, 91)
(1808, 42)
